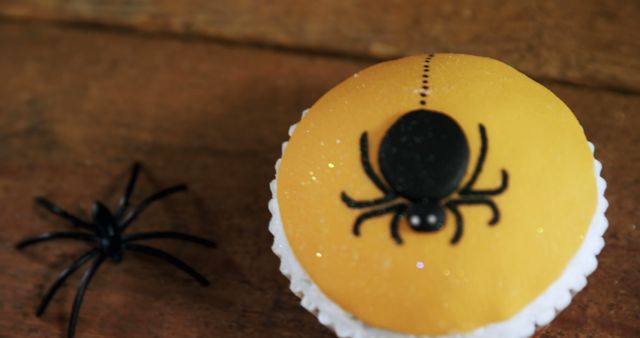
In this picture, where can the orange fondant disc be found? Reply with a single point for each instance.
(426, 285)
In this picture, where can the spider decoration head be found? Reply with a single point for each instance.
(423, 158)
(106, 232)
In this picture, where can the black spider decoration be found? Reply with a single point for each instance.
(423, 157)
(106, 231)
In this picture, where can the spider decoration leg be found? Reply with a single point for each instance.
(397, 209)
(471, 196)
(105, 231)
(395, 223)
(368, 169)
(453, 207)
(467, 189)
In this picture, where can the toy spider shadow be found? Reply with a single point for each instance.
(106, 230)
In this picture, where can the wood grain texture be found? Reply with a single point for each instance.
(77, 107)
(593, 43)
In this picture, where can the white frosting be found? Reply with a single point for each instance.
(538, 313)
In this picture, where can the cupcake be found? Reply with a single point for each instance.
(439, 195)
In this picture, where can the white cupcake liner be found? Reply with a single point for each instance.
(537, 314)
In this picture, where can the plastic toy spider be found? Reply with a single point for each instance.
(106, 230)
(423, 156)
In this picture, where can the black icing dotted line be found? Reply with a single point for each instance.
(425, 80)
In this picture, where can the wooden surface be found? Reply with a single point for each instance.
(593, 43)
(79, 104)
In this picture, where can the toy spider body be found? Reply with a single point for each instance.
(106, 231)
(423, 157)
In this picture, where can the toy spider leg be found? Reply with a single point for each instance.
(77, 302)
(75, 221)
(123, 204)
(168, 234)
(62, 277)
(56, 235)
(148, 201)
(169, 259)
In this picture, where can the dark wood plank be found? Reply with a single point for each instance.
(593, 43)
(77, 107)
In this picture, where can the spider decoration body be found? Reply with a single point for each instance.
(423, 156)
(106, 230)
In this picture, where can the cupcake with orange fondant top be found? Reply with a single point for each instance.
(437, 196)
